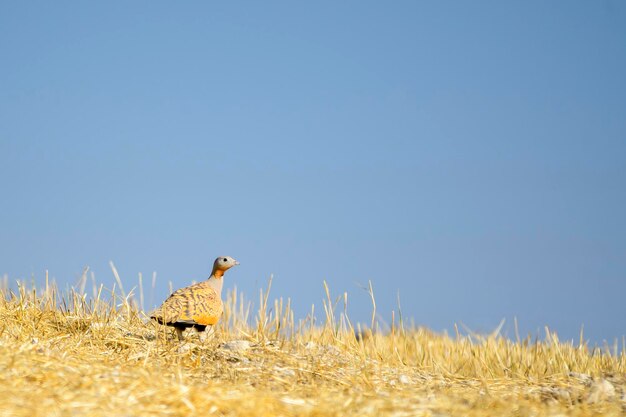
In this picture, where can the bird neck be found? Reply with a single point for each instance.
(216, 281)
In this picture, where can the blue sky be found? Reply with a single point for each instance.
(468, 156)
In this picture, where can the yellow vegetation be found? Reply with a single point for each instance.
(73, 355)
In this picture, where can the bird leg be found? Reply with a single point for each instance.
(179, 333)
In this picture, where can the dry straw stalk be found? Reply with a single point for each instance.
(67, 354)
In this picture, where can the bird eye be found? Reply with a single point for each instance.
(225, 259)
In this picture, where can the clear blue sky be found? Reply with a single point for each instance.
(469, 155)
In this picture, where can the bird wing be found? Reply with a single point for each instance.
(197, 304)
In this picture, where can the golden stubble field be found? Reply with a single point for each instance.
(75, 355)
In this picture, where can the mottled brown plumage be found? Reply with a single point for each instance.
(198, 305)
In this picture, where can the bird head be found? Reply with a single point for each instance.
(222, 264)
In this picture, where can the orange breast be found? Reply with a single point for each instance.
(206, 319)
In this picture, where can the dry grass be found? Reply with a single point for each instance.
(75, 355)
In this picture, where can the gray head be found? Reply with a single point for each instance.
(223, 264)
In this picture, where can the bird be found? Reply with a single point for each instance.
(199, 305)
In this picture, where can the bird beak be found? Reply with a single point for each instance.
(236, 262)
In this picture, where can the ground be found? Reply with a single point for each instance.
(67, 355)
